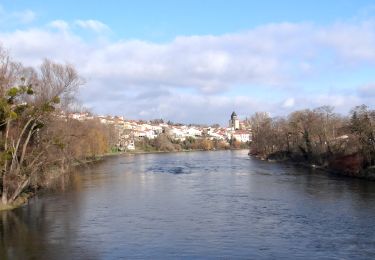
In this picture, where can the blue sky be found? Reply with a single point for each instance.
(165, 19)
(196, 61)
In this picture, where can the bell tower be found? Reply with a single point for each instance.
(234, 122)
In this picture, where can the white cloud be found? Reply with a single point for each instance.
(60, 25)
(93, 25)
(19, 17)
(288, 103)
(367, 90)
(188, 78)
(26, 16)
(351, 42)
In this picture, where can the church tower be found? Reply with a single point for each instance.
(234, 122)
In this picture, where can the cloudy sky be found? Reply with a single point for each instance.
(196, 61)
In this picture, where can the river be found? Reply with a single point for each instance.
(207, 205)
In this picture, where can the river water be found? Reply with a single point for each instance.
(195, 205)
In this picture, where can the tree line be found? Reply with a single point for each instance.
(37, 138)
(318, 136)
(165, 143)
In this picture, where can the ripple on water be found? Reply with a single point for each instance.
(229, 207)
(170, 169)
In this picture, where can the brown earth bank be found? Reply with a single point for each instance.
(346, 165)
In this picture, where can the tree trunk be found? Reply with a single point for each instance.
(4, 195)
(19, 189)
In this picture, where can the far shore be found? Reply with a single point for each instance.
(98, 158)
(367, 174)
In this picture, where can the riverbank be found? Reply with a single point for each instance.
(50, 178)
(20, 201)
(367, 174)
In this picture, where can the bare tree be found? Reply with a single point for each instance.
(317, 136)
(362, 125)
(26, 111)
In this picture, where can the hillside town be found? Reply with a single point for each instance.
(130, 131)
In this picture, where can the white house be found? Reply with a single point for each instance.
(242, 136)
(191, 131)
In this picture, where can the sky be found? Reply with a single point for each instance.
(195, 61)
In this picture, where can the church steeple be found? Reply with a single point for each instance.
(234, 123)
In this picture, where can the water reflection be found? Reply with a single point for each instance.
(195, 205)
(30, 233)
